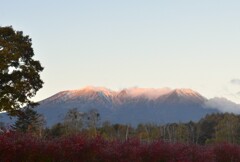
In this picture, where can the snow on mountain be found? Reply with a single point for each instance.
(188, 92)
(150, 93)
(128, 106)
(87, 92)
(133, 105)
(182, 96)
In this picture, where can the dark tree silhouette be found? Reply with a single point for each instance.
(19, 72)
(29, 121)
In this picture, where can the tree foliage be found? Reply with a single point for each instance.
(212, 128)
(19, 72)
(73, 121)
(29, 121)
(227, 130)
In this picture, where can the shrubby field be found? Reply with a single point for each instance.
(26, 147)
(214, 138)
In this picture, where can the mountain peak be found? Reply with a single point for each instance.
(186, 92)
(147, 93)
(131, 105)
(186, 96)
(93, 88)
(150, 93)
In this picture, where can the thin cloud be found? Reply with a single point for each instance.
(235, 81)
(223, 105)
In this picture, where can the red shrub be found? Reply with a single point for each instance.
(25, 147)
(227, 152)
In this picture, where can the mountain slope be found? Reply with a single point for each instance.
(128, 106)
(181, 97)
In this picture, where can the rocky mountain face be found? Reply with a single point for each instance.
(128, 106)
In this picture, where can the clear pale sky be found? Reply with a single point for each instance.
(133, 43)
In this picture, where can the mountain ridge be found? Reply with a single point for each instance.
(149, 93)
(132, 106)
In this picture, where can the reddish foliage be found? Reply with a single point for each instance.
(226, 152)
(25, 147)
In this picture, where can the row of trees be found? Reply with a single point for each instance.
(212, 128)
(76, 122)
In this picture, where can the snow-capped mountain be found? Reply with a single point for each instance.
(182, 96)
(128, 106)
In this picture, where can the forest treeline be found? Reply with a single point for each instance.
(213, 128)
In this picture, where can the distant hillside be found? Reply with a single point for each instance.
(130, 106)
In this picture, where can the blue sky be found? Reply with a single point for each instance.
(133, 43)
